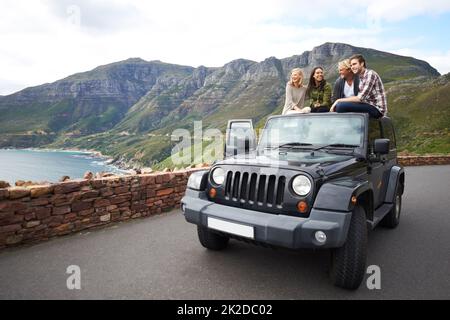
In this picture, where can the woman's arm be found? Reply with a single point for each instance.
(309, 102)
(336, 90)
(327, 96)
(289, 103)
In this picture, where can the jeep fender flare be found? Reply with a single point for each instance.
(396, 180)
(337, 195)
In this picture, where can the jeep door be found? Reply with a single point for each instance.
(240, 137)
(391, 158)
(376, 167)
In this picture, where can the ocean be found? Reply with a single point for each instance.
(49, 165)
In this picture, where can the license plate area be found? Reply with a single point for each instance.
(231, 227)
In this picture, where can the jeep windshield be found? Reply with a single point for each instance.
(313, 133)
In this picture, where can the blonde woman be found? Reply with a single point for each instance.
(295, 94)
(347, 85)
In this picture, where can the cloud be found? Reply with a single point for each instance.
(441, 61)
(46, 40)
(7, 86)
(398, 10)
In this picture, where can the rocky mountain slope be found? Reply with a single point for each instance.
(129, 109)
(87, 102)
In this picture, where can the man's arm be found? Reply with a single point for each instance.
(349, 99)
(369, 84)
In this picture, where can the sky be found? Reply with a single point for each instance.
(42, 41)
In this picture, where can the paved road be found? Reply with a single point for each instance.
(160, 258)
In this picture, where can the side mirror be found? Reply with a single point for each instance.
(240, 137)
(381, 146)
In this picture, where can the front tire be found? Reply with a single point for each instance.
(392, 219)
(211, 240)
(348, 263)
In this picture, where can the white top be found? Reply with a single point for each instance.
(349, 90)
(294, 97)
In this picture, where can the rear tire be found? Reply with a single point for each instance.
(392, 219)
(348, 263)
(211, 240)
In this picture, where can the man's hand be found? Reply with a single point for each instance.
(333, 107)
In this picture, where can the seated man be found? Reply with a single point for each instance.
(371, 98)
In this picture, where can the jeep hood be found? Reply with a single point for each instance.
(293, 160)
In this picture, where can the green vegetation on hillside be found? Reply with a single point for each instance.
(421, 114)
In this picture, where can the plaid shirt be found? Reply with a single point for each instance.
(371, 90)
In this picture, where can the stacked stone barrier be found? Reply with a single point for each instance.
(408, 161)
(36, 213)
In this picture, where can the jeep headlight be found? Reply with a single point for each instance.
(196, 179)
(218, 176)
(301, 185)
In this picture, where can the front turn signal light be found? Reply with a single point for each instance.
(302, 207)
(212, 193)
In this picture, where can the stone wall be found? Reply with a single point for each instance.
(36, 213)
(423, 160)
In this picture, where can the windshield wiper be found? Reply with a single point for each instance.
(292, 145)
(335, 145)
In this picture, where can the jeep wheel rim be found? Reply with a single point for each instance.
(397, 207)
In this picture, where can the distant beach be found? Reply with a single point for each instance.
(50, 165)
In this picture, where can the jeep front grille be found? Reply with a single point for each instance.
(255, 189)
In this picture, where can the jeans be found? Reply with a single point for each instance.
(358, 107)
(320, 109)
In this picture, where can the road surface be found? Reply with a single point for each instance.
(160, 258)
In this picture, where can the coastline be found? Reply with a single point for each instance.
(107, 160)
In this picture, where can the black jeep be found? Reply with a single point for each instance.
(312, 181)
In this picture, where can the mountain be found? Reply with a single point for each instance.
(129, 109)
(87, 102)
(420, 110)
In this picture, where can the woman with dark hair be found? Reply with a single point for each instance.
(318, 91)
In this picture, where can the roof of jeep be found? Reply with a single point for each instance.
(329, 114)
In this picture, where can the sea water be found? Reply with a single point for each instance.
(49, 165)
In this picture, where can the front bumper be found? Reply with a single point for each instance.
(278, 230)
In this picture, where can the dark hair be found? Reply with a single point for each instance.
(312, 83)
(360, 58)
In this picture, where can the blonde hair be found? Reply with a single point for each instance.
(302, 76)
(344, 64)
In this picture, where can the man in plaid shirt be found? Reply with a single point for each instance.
(371, 98)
